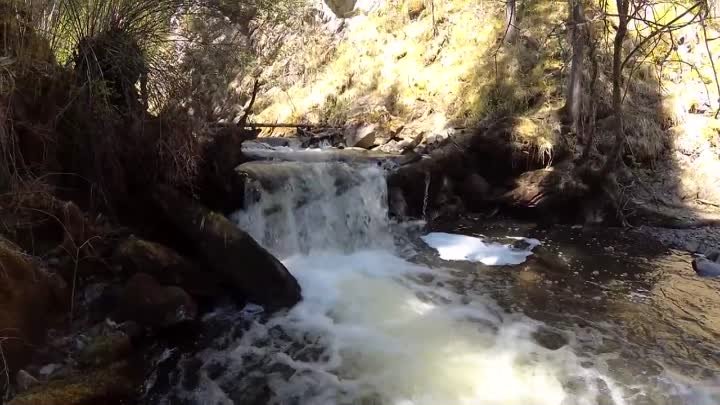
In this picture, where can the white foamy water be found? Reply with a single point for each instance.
(374, 328)
(321, 206)
(462, 247)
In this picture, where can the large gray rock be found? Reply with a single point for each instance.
(362, 137)
(243, 264)
(706, 268)
(341, 8)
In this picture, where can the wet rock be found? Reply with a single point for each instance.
(714, 255)
(547, 189)
(150, 304)
(218, 188)
(488, 151)
(165, 265)
(474, 189)
(24, 381)
(549, 339)
(105, 349)
(362, 137)
(109, 385)
(30, 302)
(397, 204)
(706, 268)
(235, 256)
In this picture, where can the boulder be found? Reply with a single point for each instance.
(362, 137)
(341, 8)
(706, 268)
(150, 304)
(25, 381)
(30, 302)
(136, 255)
(235, 256)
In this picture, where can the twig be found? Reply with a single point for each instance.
(76, 260)
(6, 368)
(666, 27)
(712, 62)
(267, 125)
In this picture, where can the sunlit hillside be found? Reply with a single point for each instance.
(420, 69)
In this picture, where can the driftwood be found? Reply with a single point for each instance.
(303, 126)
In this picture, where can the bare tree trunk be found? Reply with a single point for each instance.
(589, 119)
(578, 29)
(511, 21)
(612, 160)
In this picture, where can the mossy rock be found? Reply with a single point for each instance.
(30, 299)
(106, 349)
(113, 384)
(166, 265)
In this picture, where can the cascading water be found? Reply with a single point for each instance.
(426, 196)
(319, 206)
(376, 328)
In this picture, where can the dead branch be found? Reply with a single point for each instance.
(248, 107)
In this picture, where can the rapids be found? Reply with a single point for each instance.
(386, 321)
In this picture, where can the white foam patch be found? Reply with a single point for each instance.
(467, 248)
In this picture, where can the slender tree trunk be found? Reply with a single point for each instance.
(614, 158)
(575, 82)
(511, 21)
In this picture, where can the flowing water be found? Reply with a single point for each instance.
(386, 321)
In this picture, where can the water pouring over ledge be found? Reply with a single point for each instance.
(378, 327)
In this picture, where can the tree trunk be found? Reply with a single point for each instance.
(615, 155)
(511, 32)
(578, 29)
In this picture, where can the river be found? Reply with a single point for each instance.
(592, 317)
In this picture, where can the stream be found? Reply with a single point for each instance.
(591, 317)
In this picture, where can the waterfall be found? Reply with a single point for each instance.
(318, 207)
(374, 327)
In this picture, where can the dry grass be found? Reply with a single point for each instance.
(387, 64)
(538, 135)
(389, 68)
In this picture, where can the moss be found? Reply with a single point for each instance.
(110, 384)
(105, 349)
